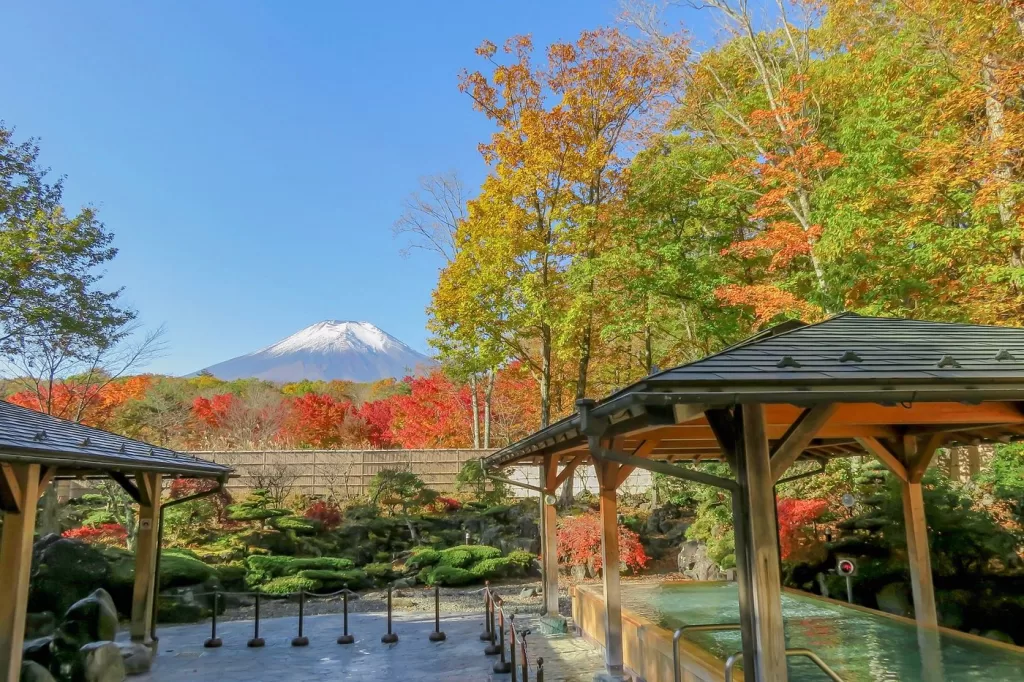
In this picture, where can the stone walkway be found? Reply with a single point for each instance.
(414, 658)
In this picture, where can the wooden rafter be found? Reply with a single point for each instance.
(799, 436)
(569, 468)
(888, 457)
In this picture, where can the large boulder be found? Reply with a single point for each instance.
(39, 624)
(92, 619)
(63, 572)
(694, 562)
(99, 662)
(39, 650)
(33, 672)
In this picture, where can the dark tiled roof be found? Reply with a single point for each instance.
(850, 347)
(846, 357)
(27, 435)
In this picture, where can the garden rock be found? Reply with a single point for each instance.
(998, 636)
(40, 624)
(693, 561)
(33, 672)
(137, 657)
(578, 572)
(529, 593)
(893, 598)
(91, 619)
(63, 572)
(39, 650)
(99, 662)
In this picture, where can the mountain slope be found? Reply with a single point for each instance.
(332, 349)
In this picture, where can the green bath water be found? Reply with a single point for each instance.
(859, 646)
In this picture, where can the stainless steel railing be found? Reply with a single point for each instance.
(731, 662)
(702, 627)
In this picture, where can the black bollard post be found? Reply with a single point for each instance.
(492, 649)
(488, 634)
(540, 670)
(526, 661)
(502, 666)
(437, 635)
(214, 640)
(345, 637)
(391, 637)
(512, 645)
(301, 640)
(256, 640)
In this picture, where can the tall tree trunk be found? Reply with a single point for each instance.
(648, 351)
(49, 514)
(584, 363)
(476, 411)
(995, 114)
(545, 376)
(488, 393)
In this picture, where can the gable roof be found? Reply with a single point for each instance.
(847, 358)
(79, 450)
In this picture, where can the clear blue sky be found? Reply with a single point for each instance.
(251, 156)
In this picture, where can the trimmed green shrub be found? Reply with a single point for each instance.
(264, 568)
(423, 557)
(478, 552)
(522, 559)
(289, 584)
(424, 574)
(490, 569)
(231, 575)
(455, 558)
(382, 557)
(177, 569)
(449, 576)
(299, 525)
(380, 572)
(352, 579)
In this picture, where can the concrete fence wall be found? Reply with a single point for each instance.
(347, 473)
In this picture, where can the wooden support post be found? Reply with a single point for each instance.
(146, 548)
(954, 464)
(607, 473)
(549, 541)
(763, 550)
(973, 461)
(21, 486)
(918, 554)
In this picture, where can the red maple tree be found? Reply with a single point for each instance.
(795, 516)
(435, 414)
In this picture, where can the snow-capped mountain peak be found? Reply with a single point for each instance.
(332, 349)
(337, 335)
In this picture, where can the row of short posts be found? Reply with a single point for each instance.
(496, 640)
(345, 638)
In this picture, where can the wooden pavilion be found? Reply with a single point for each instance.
(35, 449)
(893, 389)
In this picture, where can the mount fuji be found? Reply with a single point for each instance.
(328, 350)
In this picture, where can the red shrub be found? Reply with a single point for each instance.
(326, 512)
(107, 534)
(579, 542)
(794, 517)
(443, 505)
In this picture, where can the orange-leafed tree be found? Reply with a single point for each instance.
(320, 421)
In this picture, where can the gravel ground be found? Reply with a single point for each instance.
(421, 599)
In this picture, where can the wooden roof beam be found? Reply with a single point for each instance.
(887, 456)
(799, 436)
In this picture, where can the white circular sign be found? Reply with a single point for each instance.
(848, 500)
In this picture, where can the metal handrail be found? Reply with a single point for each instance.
(701, 627)
(833, 675)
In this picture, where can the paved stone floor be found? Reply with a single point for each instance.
(414, 658)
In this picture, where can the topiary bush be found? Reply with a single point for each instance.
(449, 576)
(521, 559)
(380, 572)
(264, 568)
(290, 584)
(300, 526)
(456, 558)
(352, 579)
(232, 576)
(423, 557)
(491, 569)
